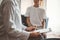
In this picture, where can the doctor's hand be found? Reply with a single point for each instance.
(34, 34)
(30, 28)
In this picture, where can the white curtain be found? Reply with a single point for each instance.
(53, 12)
(25, 4)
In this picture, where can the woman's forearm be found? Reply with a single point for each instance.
(28, 21)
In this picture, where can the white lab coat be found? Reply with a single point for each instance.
(11, 27)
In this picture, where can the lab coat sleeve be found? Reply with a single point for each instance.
(12, 32)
